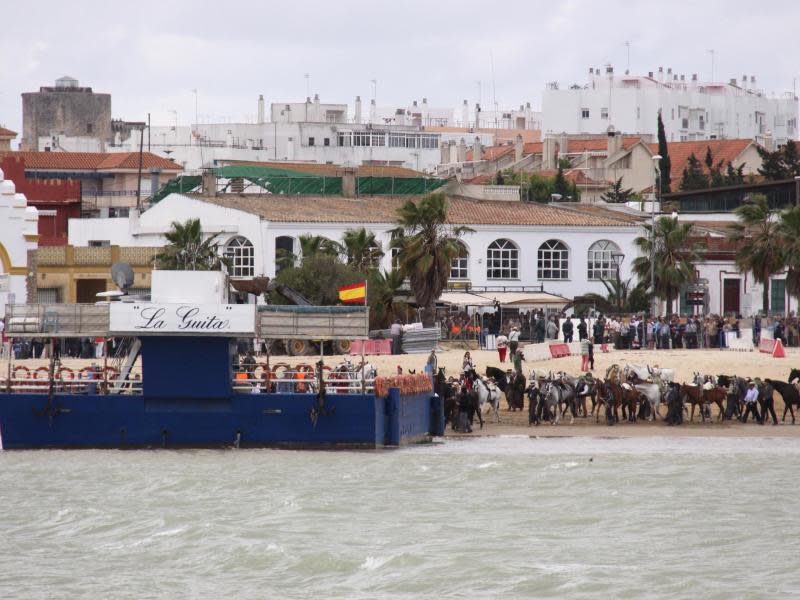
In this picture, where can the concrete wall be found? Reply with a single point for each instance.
(73, 112)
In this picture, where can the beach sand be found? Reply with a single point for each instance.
(684, 362)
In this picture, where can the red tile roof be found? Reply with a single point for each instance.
(7, 133)
(679, 152)
(493, 152)
(383, 209)
(93, 161)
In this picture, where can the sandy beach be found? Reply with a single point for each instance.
(684, 362)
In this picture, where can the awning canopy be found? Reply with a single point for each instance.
(537, 299)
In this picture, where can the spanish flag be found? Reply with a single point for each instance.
(354, 293)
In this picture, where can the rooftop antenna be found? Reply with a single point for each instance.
(712, 52)
(494, 91)
(628, 65)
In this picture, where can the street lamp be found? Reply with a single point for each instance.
(656, 186)
(617, 258)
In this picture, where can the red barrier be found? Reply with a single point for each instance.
(766, 346)
(774, 347)
(371, 347)
(559, 350)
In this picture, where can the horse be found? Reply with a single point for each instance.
(794, 374)
(704, 394)
(500, 377)
(487, 393)
(652, 393)
(536, 403)
(558, 393)
(606, 396)
(666, 375)
(627, 397)
(583, 389)
(640, 372)
(790, 395)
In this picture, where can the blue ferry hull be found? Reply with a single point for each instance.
(27, 421)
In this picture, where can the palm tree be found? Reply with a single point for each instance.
(789, 231)
(761, 250)
(383, 287)
(362, 250)
(187, 250)
(427, 244)
(675, 257)
(310, 245)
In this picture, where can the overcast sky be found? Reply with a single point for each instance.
(151, 55)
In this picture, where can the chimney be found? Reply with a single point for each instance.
(349, 182)
(732, 81)
(660, 74)
(752, 82)
(477, 116)
(519, 146)
(548, 153)
(260, 109)
(669, 72)
(462, 150)
(444, 157)
(400, 116)
(650, 74)
(209, 182)
(477, 152)
(425, 111)
(614, 141)
(465, 114)
(373, 111)
(357, 117)
(744, 81)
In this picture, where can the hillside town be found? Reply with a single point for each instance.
(560, 193)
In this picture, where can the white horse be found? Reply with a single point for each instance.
(666, 375)
(487, 393)
(651, 393)
(554, 396)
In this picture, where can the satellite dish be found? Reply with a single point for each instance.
(122, 274)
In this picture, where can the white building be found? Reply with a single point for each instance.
(691, 109)
(18, 238)
(515, 244)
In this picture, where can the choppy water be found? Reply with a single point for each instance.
(481, 518)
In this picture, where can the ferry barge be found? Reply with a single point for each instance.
(179, 384)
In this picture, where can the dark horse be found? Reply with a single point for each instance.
(446, 392)
(789, 393)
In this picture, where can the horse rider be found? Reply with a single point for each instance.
(732, 400)
(750, 399)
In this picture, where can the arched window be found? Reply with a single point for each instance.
(459, 266)
(502, 260)
(553, 260)
(241, 257)
(284, 253)
(600, 260)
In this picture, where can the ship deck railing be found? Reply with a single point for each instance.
(301, 382)
(56, 320)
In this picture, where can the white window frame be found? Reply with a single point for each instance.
(599, 262)
(242, 257)
(552, 261)
(502, 255)
(459, 266)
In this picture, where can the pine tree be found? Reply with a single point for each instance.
(709, 158)
(560, 186)
(664, 164)
(734, 176)
(772, 166)
(791, 158)
(693, 176)
(617, 194)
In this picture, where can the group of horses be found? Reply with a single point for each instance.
(634, 391)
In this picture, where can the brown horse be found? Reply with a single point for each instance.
(626, 398)
(696, 394)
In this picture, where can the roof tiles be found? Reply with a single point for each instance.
(383, 209)
(93, 161)
(721, 150)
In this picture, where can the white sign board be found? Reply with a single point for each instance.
(136, 319)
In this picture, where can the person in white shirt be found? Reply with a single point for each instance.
(750, 399)
(513, 341)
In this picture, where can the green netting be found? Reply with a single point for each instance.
(303, 186)
(178, 185)
(391, 186)
(251, 171)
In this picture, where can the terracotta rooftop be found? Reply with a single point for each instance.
(93, 161)
(604, 210)
(493, 152)
(7, 133)
(333, 170)
(721, 150)
(336, 209)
